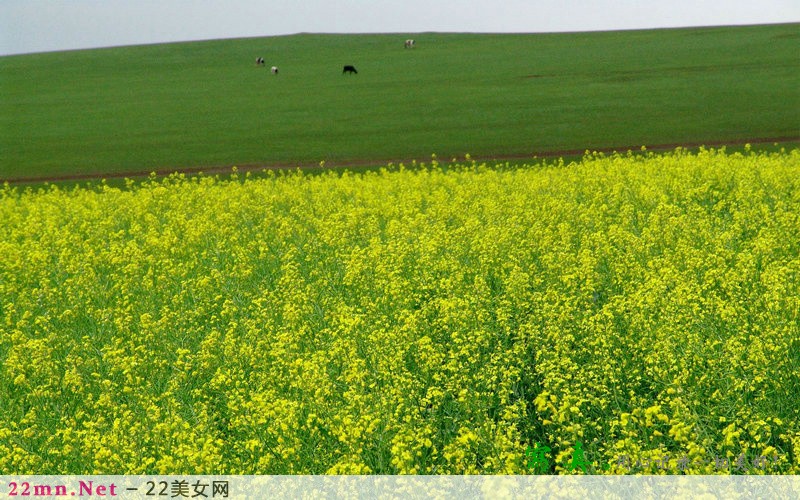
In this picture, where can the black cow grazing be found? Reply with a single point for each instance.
(260, 61)
(349, 69)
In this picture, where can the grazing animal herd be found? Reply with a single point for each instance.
(347, 69)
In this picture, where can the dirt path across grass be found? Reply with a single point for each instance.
(226, 169)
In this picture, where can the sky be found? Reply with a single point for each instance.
(50, 25)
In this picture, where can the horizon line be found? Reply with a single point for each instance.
(403, 33)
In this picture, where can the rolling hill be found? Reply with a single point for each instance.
(206, 104)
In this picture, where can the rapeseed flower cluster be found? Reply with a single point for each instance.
(431, 320)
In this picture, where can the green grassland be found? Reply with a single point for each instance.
(206, 103)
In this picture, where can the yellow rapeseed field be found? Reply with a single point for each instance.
(633, 313)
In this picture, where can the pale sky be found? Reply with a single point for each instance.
(49, 25)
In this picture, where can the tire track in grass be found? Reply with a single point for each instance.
(321, 165)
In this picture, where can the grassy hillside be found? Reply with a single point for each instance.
(205, 103)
